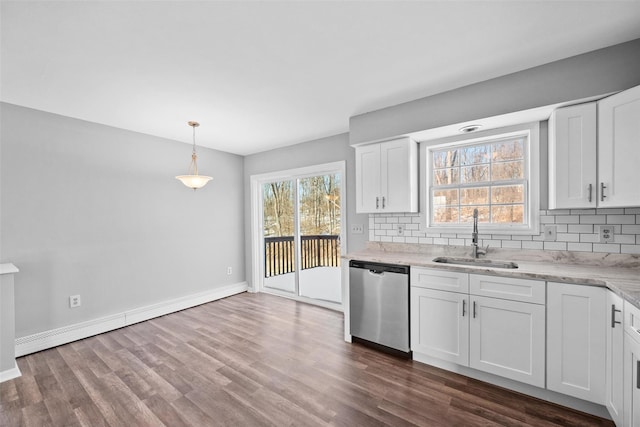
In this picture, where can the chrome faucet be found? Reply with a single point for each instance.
(475, 252)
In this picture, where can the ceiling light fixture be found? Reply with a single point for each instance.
(470, 128)
(193, 180)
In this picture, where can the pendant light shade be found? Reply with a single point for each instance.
(193, 180)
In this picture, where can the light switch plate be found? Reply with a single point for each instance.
(357, 229)
(550, 233)
(606, 233)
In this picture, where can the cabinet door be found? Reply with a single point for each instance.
(507, 338)
(614, 374)
(631, 381)
(368, 178)
(440, 324)
(572, 157)
(619, 149)
(576, 340)
(399, 176)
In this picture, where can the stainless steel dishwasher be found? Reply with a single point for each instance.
(379, 305)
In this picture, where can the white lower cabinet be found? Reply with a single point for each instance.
(631, 392)
(440, 325)
(614, 376)
(495, 335)
(507, 339)
(576, 340)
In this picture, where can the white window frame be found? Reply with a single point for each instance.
(531, 131)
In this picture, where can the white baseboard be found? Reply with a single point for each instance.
(10, 374)
(66, 334)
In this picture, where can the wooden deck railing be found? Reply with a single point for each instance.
(315, 251)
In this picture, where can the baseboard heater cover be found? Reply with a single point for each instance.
(66, 334)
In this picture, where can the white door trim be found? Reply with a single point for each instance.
(257, 250)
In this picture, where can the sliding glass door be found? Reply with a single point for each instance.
(319, 219)
(301, 221)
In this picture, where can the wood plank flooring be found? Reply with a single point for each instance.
(253, 360)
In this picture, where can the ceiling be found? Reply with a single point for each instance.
(266, 74)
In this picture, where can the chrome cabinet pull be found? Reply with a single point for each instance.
(464, 307)
(613, 316)
(474, 309)
(602, 187)
(377, 202)
(383, 200)
(590, 191)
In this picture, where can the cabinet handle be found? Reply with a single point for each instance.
(383, 200)
(590, 191)
(602, 187)
(464, 307)
(377, 202)
(638, 374)
(613, 316)
(474, 309)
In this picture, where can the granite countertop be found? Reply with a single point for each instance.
(620, 273)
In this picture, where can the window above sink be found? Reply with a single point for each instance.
(496, 172)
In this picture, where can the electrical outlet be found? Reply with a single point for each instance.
(550, 233)
(400, 229)
(357, 229)
(74, 301)
(229, 271)
(606, 233)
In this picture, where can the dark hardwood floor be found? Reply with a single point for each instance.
(252, 360)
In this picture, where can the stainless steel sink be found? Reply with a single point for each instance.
(476, 262)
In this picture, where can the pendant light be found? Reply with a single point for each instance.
(193, 180)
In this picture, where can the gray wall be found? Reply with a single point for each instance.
(94, 210)
(326, 150)
(595, 73)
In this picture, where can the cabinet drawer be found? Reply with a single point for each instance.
(632, 320)
(439, 279)
(525, 290)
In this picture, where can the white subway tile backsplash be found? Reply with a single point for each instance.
(629, 239)
(532, 245)
(610, 211)
(620, 219)
(583, 211)
(568, 219)
(612, 248)
(580, 247)
(590, 238)
(512, 244)
(582, 228)
(630, 229)
(555, 246)
(577, 230)
(568, 237)
(593, 219)
(547, 219)
(630, 249)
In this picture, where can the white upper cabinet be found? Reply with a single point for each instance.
(572, 157)
(387, 177)
(619, 149)
(594, 152)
